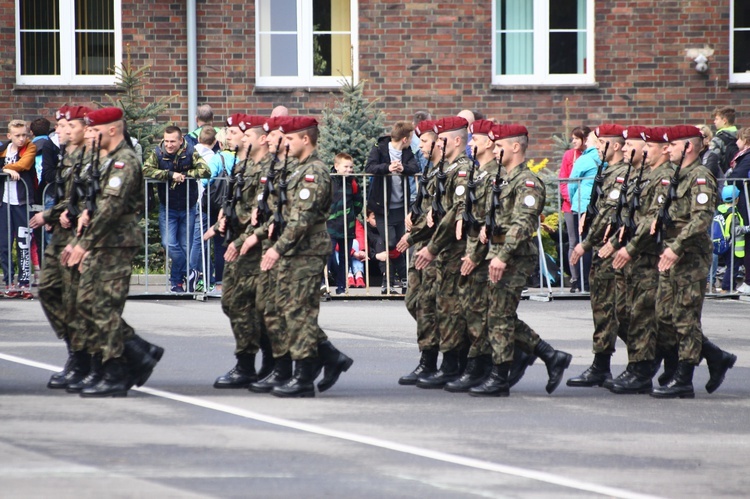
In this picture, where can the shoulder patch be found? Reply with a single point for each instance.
(700, 181)
(665, 181)
(263, 180)
(451, 167)
(620, 180)
(309, 178)
(119, 165)
(530, 183)
(462, 173)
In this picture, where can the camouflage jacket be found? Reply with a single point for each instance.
(420, 231)
(484, 180)
(444, 237)
(521, 202)
(643, 241)
(61, 236)
(614, 176)
(251, 191)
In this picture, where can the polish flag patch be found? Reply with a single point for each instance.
(461, 174)
(700, 181)
(119, 165)
(530, 183)
(665, 181)
(263, 180)
(309, 178)
(620, 180)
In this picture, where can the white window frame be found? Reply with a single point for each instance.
(305, 77)
(541, 76)
(735, 77)
(67, 76)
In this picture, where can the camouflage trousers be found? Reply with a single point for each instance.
(644, 281)
(238, 301)
(271, 320)
(451, 324)
(679, 304)
(473, 298)
(504, 329)
(102, 292)
(51, 294)
(297, 301)
(604, 304)
(420, 302)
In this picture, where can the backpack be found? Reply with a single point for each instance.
(218, 190)
(721, 242)
(729, 149)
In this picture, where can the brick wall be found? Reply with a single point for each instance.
(428, 55)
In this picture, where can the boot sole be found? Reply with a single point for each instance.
(104, 395)
(302, 395)
(496, 395)
(622, 391)
(229, 387)
(671, 396)
(730, 365)
(407, 382)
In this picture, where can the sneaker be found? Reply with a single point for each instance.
(200, 285)
(340, 291)
(192, 280)
(350, 281)
(177, 288)
(574, 287)
(744, 289)
(359, 282)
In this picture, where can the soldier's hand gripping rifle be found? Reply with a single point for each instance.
(663, 220)
(78, 192)
(438, 211)
(278, 216)
(491, 225)
(59, 192)
(616, 223)
(94, 187)
(264, 209)
(635, 204)
(236, 184)
(469, 221)
(416, 207)
(591, 210)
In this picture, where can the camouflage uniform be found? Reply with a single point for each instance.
(521, 202)
(683, 287)
(607, 285)
(449, 251)
(112, 240)
(240, 284)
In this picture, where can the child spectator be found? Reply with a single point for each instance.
(728, 221)
(346, 204)
(204, 147)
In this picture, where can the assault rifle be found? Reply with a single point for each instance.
(491, 225)
(591, 210)
(78, 192)
(59, 193)
(278, 217)
(469, 221)
(663, 220)
(94, 187)
(635, 204)
(264, 209)
(438, 211)
(236, 184)
(416, 207)
(616, 222)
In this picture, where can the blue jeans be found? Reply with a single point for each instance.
(177, 240)
(195, 254)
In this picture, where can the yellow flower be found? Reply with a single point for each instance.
(536, 167)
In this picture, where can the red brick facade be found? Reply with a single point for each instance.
(428, 55)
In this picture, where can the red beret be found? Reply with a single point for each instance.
(424, 127)
(609, 130)
(450, 124)
(252, 121)
(634, 132)
(680, 132)
(298, 124)
(507, 131)
(481, 127)
(77, 113)
(655, 134)
(60, 113)
(274, 123)
(103, 116)
(235, 119)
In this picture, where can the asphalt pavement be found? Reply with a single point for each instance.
(367, 437)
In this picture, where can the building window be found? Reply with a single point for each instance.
(303, 43)
(543, 42)
(67, 42)
(740, 40)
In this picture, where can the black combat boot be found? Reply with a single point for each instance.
(636, 379)
(681, 385)
(719, 362)
(281, 374)
(142, 357)
(302, 383)
(521, 362)
(334, 363)
(267, 361)
(671, 359)
(555, 360)
(241, 375)
(496, 385)
(56, 380)
(78, 365)
(427, 366)
(93, 377)
(448, 372)
(115, 381)
(609, 382)
(477, 370)
(596, 374)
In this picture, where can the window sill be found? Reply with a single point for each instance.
(277, 90)
(741, 85)
(550, 86)
(68, 88)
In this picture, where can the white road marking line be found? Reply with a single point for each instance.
(374, 442)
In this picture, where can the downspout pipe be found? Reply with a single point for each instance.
(192, 63)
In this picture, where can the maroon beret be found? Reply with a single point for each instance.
(252, 121)
(481, 127)
(424, 127)
(60, 113)
(499, 132)
(609, 130)
(298, 124)
(450, 124)
(655, 134)
(77, 113)
(634, 132)
(235, 119)
(103, 116)
(274, 123)
(680, 132)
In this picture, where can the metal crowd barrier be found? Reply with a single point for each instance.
(23, 237)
